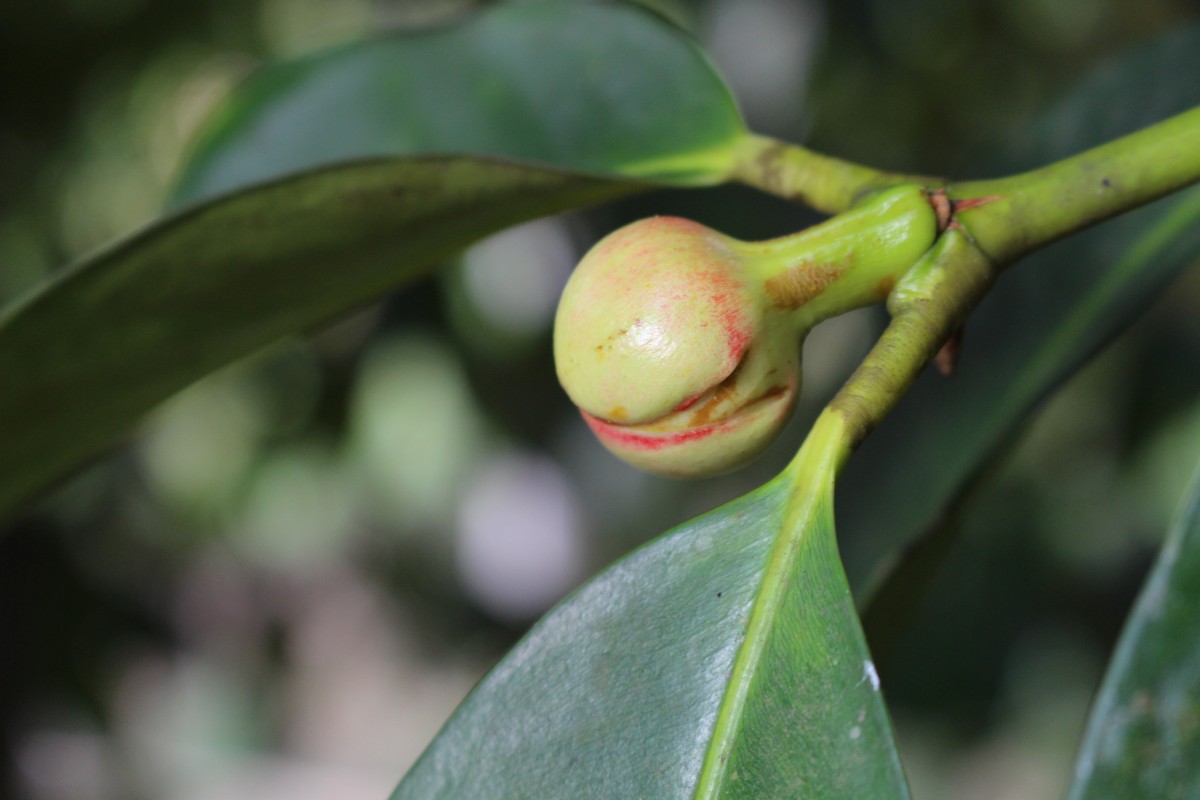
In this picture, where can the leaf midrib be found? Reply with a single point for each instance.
(811, 477)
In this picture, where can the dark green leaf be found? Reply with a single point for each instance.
(597, 87)
(1045, 317)
(724, 660)
(84, 357)
(1143, 739)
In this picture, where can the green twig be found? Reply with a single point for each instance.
(1035, 208)
(990, 224)
(1010, 216)
(822, 182)
(927, 307)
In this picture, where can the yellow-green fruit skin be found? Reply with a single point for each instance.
(652, 327)
(681, 346)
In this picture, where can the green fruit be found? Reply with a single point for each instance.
(681, 346)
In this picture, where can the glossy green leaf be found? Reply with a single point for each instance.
(82, 358)
(1143, 738)
(1044, 318)
(594, 88)
(597, 87)
(723, 660)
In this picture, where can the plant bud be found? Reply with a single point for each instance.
(681, 345)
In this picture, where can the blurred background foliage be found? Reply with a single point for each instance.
(288, 577)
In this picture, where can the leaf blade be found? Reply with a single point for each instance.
(1144, 731)
(676, 122)
(655, 680)
(606, 88)
(569, 651)
(802, 716)
(82, 358)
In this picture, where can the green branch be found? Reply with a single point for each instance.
(1035, 208)
(822, 182)
(990, 223)
(927, 307)
(1012, 216)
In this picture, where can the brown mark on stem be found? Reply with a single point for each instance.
(975, 202)
(947, 358)
(943, 208)
(772, 174)
(769, 170)
(801, 283)
(947, 209)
